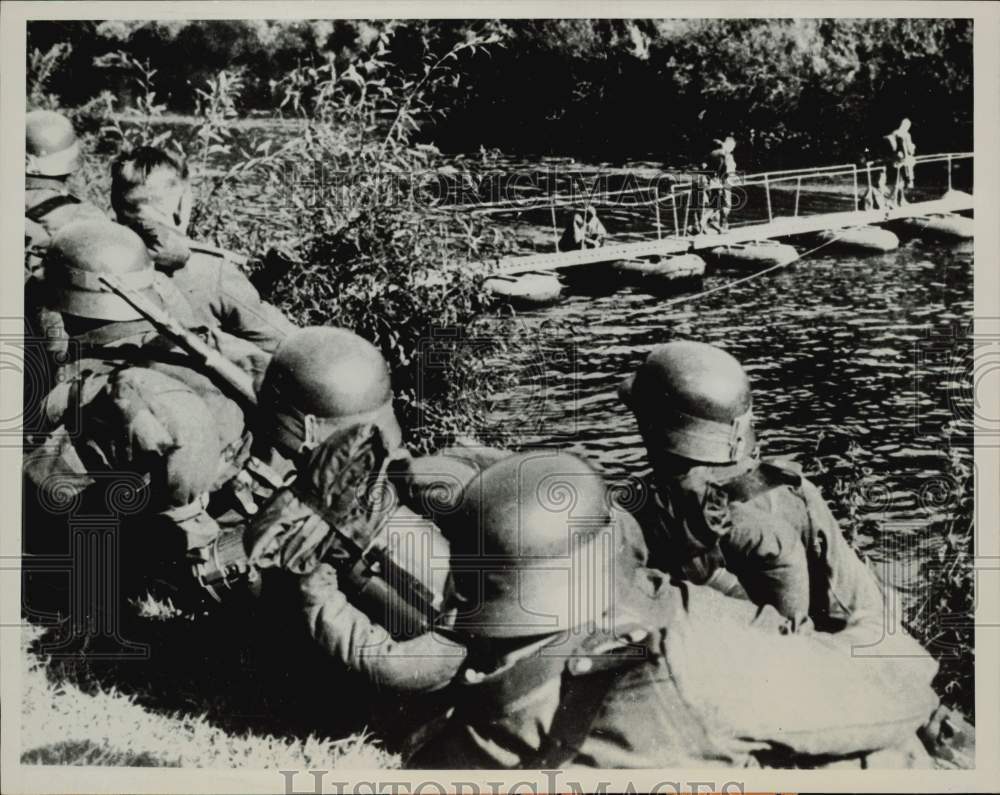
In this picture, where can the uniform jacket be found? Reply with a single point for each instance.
(717, 682)
(429, 661)
(775, 535)
(46, 210)
(213, 282)
(100, 404)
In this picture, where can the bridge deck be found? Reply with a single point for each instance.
(953, 201)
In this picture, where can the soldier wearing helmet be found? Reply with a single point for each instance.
(321, 382)
(330, 495)
(52, 155)
(151, 194)
(716, 509)
(723, 166)
(118, 395)
(578, 656)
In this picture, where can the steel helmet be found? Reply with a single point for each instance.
(50, 145)
(693, 400)
(537, 553)
(82, 252)
(322, 379)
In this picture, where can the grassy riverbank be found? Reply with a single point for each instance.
(66, 722)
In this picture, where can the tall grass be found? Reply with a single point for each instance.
(343, 200)
(68, 722)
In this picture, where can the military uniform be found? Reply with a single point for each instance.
(48, 208)
(724, 172)
(52, 153)
(95, 417)
(214, 284)
(687, 678)
(118, 397)
(765, 533)
(428, 489)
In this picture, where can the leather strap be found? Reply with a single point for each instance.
(113, 332)
(53, 203)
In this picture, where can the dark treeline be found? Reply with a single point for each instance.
(790, 90)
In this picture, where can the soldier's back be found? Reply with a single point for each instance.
(214, 283)
(701, 691)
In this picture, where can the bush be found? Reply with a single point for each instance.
(340, 188)
(384, 263)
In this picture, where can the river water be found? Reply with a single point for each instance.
(860, 367)
(860, 364)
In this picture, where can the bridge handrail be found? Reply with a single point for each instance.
(680, 193)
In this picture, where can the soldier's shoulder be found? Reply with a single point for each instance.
(782, 471)
(801, 485)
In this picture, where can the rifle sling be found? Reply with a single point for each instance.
(53, 203)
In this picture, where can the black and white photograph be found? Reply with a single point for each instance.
(597, 391)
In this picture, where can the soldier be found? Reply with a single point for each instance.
(572, 236)
(584, 230)
(323, 497)
(717, 513)
(579, 657)
(123, 399)
(151, 194)
(52, 155)
(723, 166)
(903, 160)
(706, 220)
(593, 230)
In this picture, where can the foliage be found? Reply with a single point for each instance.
(790, 89)
(41, 68)
(371, 253)
(942, 617)
(345, 201)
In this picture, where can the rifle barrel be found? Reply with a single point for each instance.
(236, 379)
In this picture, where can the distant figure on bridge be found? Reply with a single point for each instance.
(593, 229)
(584, 230)
(904, 159)
(707, 218)
(723, 164)
(878, 196)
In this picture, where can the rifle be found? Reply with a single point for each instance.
(329, 513)
(234, 380)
